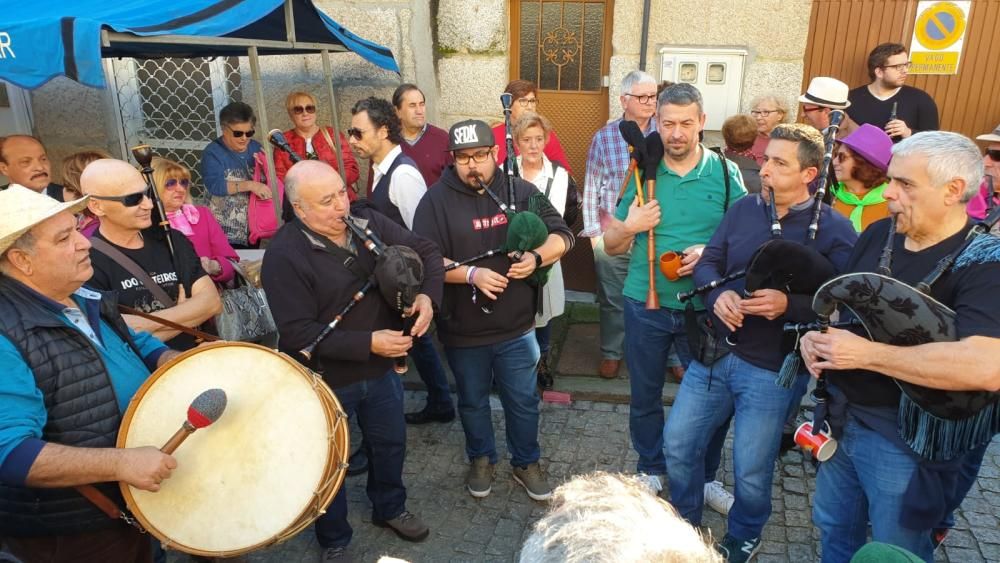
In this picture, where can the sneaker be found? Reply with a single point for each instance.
(738, 551)
(718, 498)
(407, 526)
(426, 416)
(480, 479)
(533, 481)
(338, 554)
(653, 482)
(545, 379)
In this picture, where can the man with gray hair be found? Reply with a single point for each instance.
(874, 475)
(694, 186)
(607, 164)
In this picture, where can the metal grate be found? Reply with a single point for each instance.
(173, 105)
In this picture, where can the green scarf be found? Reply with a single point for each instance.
(873, 197)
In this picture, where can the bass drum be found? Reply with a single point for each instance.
(261, 473)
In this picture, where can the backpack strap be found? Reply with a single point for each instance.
(725, 176)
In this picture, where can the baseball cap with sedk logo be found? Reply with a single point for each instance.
(469, 134)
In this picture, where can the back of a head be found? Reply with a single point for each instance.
(739, 131)
(74, 164)
(603, 517)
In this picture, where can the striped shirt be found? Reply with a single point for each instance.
(607, 163)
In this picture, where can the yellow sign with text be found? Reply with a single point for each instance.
(938, 37)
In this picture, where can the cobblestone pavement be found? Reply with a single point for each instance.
(578, 438)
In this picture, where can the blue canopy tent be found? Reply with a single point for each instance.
(39, 42)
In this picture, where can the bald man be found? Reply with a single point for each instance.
(125, 242)
(312, 269)
(24, 161)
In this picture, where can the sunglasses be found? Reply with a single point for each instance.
(994, 154)
(174, 182)
(297, 110)
(240, 134)
(355, 132)
(130, 200)
(841, 156)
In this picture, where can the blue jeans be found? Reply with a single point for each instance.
(864, 482)
(425, 357)
(648, 338)
(379, 406)
(707, 398)
(611, 272)
(514, 365)
(543, 335)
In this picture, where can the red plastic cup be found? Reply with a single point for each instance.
(822, 445)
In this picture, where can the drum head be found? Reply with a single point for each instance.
(255, 472)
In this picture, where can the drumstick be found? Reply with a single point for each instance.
(205, 409)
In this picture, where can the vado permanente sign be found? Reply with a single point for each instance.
(938, 37)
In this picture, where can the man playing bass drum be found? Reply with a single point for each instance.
(873, 476)
(313, 268)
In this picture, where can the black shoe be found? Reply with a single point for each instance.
(425, 416)
(545, 379)
(357, 464)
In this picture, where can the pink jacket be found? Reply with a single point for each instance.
(977, 206)
(210, 242)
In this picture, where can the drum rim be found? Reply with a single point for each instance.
(333, 478)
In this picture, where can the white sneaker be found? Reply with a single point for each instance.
(718, 498)
(653, 482)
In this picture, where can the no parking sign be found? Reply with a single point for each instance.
(938, 37)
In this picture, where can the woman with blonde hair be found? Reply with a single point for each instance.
(173, 186)
(72, 168)
(768, 111)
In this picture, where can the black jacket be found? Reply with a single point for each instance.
(307, 287)
(465, 223)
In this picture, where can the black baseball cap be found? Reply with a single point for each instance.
(470, 134)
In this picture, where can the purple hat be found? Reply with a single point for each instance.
(872, 144)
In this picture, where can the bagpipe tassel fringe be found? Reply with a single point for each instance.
(940, 439)
(789, 370)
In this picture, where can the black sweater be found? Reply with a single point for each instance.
(914, 106)
(307, 287)
(465, 223)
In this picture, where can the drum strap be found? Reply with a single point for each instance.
(199, 335)
(108, 506)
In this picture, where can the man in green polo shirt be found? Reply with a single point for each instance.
(689, 204)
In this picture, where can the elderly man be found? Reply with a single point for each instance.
(70, 366)
(312, 269)
(694, 187)
(887, 103)
(24, 161)
(875, 476)
(743, 383)
(485, 344)
(134, 260)
(426, 144)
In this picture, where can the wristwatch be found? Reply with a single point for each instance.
(538, 259)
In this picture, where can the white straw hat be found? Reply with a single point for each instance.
(827, 92)
(993, 137)
(22, 208)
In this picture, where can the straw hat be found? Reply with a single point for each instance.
(827, 92)
(993, 137)
(24, 208)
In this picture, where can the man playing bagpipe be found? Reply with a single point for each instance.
(488, 316)
(750, 312)
(314, 268)
(914, 408)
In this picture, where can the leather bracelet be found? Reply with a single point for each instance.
(538, 259)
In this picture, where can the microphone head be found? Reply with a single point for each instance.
(507, 100)
(206, 408)
(277, 137)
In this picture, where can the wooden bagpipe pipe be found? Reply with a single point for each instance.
(938, 425)
(398, 275)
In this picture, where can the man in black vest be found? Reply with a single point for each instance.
(70, 366)
(398, 186)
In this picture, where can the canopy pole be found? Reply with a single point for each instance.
(272, 179)
(328, 78)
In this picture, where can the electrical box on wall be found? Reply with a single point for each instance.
(716, 72)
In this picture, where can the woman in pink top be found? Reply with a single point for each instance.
(525, 95)
(173, 183)
(768, 111)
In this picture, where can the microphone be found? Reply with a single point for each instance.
(205, 409)
(506, 100)
(277, 138)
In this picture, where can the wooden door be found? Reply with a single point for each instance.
(843, 32)
(564, 47)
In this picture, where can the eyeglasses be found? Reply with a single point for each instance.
(994, 154)
(764, 112)
(642, 98)
(901, 67)
(130, 200)
(240, 134)
(464, 159)
(842, 156)
(355, 132)
(174, 182)
(297, 110)
(525, 102)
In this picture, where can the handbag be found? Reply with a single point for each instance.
(261, 220)
(245, 314)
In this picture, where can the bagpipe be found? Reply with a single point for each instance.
(398, 275)
(938, 425)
